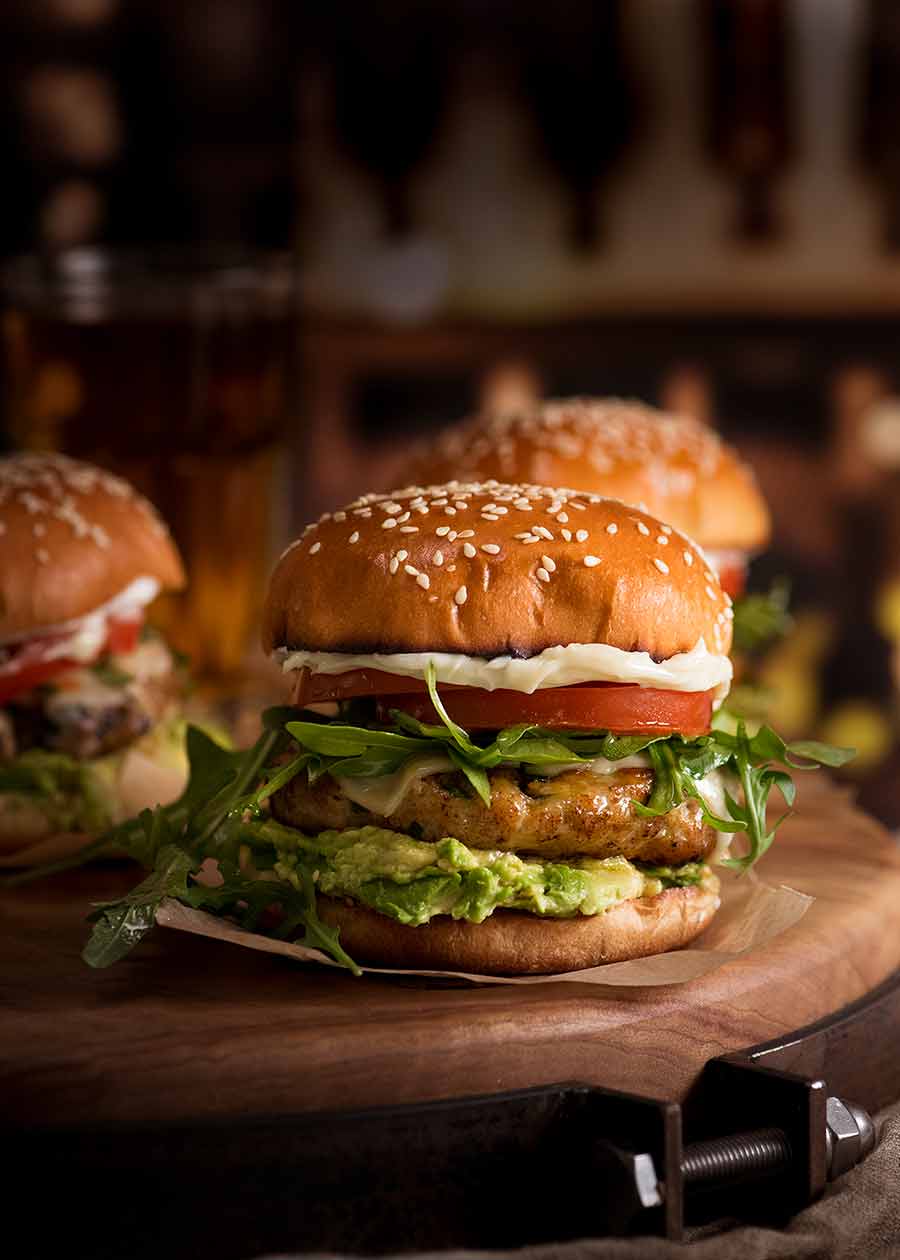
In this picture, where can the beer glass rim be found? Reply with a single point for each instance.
(95, 281)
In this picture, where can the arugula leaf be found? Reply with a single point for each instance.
(459, 736)
(120, 925)
(822, 754)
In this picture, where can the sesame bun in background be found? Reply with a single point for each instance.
(73, 537)
(90, 729)
(673, 465)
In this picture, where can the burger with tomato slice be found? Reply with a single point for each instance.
(672, 464)
(522, 774)
(89, 728)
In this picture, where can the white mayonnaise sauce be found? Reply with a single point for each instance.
(697, 670)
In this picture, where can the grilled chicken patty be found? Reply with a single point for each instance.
(579, 811)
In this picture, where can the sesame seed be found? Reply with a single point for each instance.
(563, 518)
(461, 595)
(466, 533)
(521, 537)
(548, 563)
(423, 580)
(710, 592)
(591, 562)
(442, 531)
(542, 532)
(402, 555)
(317, 546)
(460, 504)
(581, 535)
(402, 519)
(408, 568)
(662, 540)
(43, 555)
(409, 529)
(688, 558)
(438, 558)
(500, 510)
(451, 537)
(660, 564)
(666, 529)
(530, 538)
(451, 568)
(439, 502)
(612, 528)
(579, 506)
(469, 550)
(389, 523)
(489, 516)
(491, 548)
(340, 516)
(543, 575)
(567, 535)
(642, 528)
(449, 511)
(394, 564)
(354, 537)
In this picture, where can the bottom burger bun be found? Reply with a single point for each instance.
(514, 943)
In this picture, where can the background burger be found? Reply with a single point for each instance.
(89, 729)
(522, 775)
(673, 465)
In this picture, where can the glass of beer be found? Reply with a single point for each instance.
(172, 368)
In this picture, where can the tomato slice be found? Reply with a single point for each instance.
(122, 636)
(28, 674)
(625, 709)
(29, 666)
(312, 688)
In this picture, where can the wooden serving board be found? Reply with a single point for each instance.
(189, 1030)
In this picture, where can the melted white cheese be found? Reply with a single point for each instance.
(382, 795)
(697, 670)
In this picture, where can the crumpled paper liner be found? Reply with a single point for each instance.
(752, 914)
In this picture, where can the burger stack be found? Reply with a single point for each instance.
(502, 754)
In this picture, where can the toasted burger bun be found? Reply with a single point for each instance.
(452, 574)
(673, 464)
(512, 943)
(72, 537)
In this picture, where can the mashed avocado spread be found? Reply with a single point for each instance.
(413, 880)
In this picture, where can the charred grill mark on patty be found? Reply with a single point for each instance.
(579, 811)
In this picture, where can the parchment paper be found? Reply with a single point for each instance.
(752, 914)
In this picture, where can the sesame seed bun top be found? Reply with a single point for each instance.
(492, 570)
(673, 464)
(72, 537)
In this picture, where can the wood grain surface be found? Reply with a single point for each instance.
(188, 1029)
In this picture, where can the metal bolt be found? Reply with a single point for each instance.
(740, 1156)
(849, 1137)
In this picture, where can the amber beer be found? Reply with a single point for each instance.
(172, 370)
